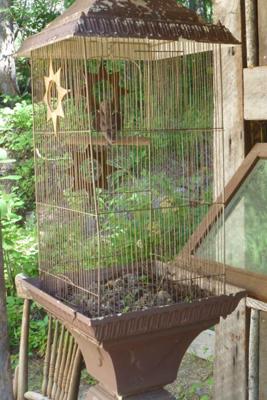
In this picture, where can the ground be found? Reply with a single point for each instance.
(194, 381)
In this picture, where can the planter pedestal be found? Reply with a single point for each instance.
(134, 355)
(98, 393)
(137, 364)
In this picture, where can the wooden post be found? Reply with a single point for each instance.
(230, 370)
(251, 32)
(230, 356)
(253, 363)
(262, 345)
(262, 356)
(232, 81)
(230, 342)
(23, 351)
(262, 32)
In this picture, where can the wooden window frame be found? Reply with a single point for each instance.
(254, 283)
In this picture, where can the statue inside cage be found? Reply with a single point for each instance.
(128, 141)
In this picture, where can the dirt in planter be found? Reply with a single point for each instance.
(133, 293)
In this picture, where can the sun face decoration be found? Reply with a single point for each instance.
(54, 94)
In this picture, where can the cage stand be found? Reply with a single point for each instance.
(134, 354)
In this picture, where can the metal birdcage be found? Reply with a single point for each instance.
(128, 140)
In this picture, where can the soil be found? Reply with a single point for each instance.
(194, 381)
(131, 292)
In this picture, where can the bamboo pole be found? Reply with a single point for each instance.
(47, 358)
(53, 360)
(253, 363)
(67, 369)
(15, 383)
(23, 351)
(73, 357)
(62, 366)
(251, 32)
(75, 377)
(58, 362)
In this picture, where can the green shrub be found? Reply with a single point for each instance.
(16, 138)
(19, 242)
(38, 327)
(20, 255)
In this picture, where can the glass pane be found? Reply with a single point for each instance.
(245, 226)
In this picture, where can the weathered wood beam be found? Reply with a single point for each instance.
(231, 335)
(232, 81)
(262, 32)
(230, 356)
(256, 304)
(253, 363)
(255, 94)
(263, 356)
(251, 32)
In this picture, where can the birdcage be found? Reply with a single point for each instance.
(128, 141)
(128, 144)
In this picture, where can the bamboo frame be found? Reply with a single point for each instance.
(47, 357)
(62, 366)
(62, 363)
(254, 283)
(23, 352)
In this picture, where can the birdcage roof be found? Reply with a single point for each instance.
(152, 19)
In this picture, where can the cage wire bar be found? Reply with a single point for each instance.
(128, 158)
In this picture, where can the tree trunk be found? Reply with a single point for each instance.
(8, 82)
(6, 390)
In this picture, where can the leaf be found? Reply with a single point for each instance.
(10, 178)
(3, 208)
(4, 157)
(7, 161)
(210, 381)
(3, 154)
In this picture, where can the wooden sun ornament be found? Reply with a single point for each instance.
(54, 93)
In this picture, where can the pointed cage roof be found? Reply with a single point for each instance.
(150, 19)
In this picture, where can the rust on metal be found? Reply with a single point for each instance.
(152, 19)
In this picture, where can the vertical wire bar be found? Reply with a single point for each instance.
(93, 179)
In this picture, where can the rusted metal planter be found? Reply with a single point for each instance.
(137, 353)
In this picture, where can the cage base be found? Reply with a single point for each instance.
(137, 352)
(138, 364)
(98, 393)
